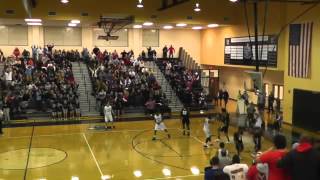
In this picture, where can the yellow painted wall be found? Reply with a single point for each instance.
(307, 84)
(212, 50)
(188, 39)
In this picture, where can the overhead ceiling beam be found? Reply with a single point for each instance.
(167, 5)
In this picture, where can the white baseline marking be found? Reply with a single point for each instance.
(94, 158)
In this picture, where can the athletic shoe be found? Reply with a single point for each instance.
(205, 146)
(154, 138)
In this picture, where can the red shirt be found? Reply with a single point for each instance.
(271, 158)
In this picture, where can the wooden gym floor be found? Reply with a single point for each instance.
(75, 152)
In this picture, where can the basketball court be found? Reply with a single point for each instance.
(63, 152)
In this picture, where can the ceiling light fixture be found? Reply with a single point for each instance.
(34, 23)
(72, 25)
(181, 25)
(213, 25)
(197, 7)
(233, 0)
(64, 1)
(140, 4)
(74, 178)
(137, 26)
(148, 23)
(167, 27)
(32, 20)
(75, 21)
(197, 27)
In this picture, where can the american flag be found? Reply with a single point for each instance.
(300, 38)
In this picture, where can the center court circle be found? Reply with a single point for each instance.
(39, 157)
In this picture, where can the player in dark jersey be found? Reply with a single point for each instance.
(224, 117)
(185, 121)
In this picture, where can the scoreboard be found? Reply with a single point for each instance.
(241, 51)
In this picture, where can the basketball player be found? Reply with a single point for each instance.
(237, 137)
(159, 125)
(108, 116)
(207, 132)
(225, 127)
(257, 132)
(185, 121)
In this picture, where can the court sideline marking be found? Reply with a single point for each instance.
(93, 156)
(175, 177)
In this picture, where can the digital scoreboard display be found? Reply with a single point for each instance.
(241, 51)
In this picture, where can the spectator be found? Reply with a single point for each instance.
(258, 172)
(236, 171)
(271, 158)
(303, 162)
(270, 102)
(214, 172)
(165, 52)
(1, 119)
(171, 51)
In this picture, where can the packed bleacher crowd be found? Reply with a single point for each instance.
(277, 163)
(122, 80)
(42, 81)
(185, 82)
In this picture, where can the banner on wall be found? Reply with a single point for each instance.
(241, 51)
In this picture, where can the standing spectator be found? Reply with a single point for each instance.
(1, 119)
(2, 58)
(271, 158)
(270, 102)
(225, 98)
(185, 121)
(278, 122)
(6, 110)
(171, 51)
(278, 104)
(236, 171)
(220, 95)
(214, 172)
(165, 52)
(303, 162)
(16, 52)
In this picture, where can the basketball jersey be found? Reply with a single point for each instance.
(206, 126)
(107, 110)
(184, 112)
(158, 118)
(236, 171)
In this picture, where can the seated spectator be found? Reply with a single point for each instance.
(303, 162)
(214, 172)
(236, 171)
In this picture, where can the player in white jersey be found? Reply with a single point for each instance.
(108, 115)
(159, 125)
(207, 131)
